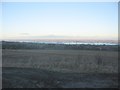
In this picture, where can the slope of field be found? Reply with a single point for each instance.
(23, 68)
(63, 60)
(38, 78)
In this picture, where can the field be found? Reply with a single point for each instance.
(59, 68)
(63, 60)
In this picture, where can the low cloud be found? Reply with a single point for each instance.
(26, 34)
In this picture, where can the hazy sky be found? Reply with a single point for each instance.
(75, 20)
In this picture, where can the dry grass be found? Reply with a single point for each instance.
(63, 60)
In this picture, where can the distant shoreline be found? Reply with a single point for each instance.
(66, 42)
(59, 46)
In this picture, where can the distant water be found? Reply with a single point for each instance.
(72, 43)
(93, 43)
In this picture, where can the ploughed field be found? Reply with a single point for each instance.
(59, 68)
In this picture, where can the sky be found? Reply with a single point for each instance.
(72, 20)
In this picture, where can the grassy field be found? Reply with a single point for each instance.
(39, 78)
(81, 61)
(59, 68)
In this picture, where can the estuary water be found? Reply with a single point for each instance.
(72, 42)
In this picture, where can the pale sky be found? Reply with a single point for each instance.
(59, 19)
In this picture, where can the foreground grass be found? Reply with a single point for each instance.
(38, 78)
